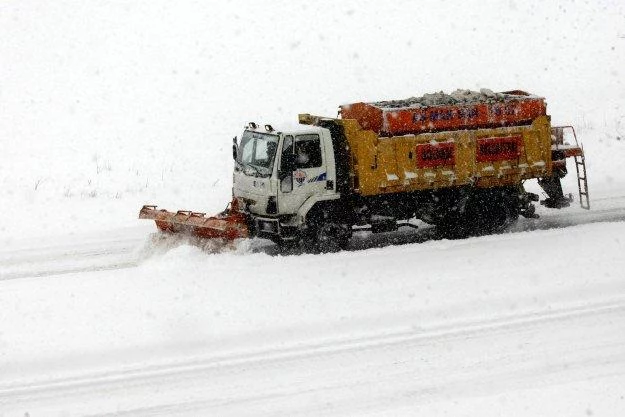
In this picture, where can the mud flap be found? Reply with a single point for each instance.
(555, 196)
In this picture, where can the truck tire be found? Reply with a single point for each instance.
(325, 231)
(331, 237)
(488, 211)
(288, 247)
(494, 209)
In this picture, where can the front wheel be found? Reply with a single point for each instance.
(326, 231)
(331, 237)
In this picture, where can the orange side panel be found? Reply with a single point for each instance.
(413, 120)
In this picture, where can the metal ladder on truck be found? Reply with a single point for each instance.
(565, 150)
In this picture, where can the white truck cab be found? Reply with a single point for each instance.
(280, 176)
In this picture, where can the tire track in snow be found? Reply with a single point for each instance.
(66, 259)
(199, 369)
(565, 219)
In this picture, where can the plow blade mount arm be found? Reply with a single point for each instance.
(229, 225)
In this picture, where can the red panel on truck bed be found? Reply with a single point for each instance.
(462, 109)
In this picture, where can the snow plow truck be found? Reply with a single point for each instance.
(457, 161)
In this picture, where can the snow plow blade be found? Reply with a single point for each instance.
(228, 225)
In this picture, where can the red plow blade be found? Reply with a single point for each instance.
(229, 225)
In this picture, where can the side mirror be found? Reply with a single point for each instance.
(287, 165)
(234, 148)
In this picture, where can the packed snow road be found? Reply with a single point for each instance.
(108, 325)
(125, 248)
(385, 374)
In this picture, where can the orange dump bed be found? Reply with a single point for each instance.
(462, 109)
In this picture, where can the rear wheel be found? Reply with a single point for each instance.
(487, 211)
(494, 210)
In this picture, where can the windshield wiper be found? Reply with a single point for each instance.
(255, 169)
(257, 172)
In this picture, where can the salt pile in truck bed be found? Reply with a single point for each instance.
(462, 109)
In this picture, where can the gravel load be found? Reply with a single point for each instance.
(442, 99)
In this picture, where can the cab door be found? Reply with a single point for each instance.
(309, 176)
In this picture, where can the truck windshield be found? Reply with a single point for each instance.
(258, 152)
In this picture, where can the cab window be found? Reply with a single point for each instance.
(307, 151)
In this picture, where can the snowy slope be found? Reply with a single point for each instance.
(105, 106)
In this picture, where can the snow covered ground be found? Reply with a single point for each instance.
(105, 106)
